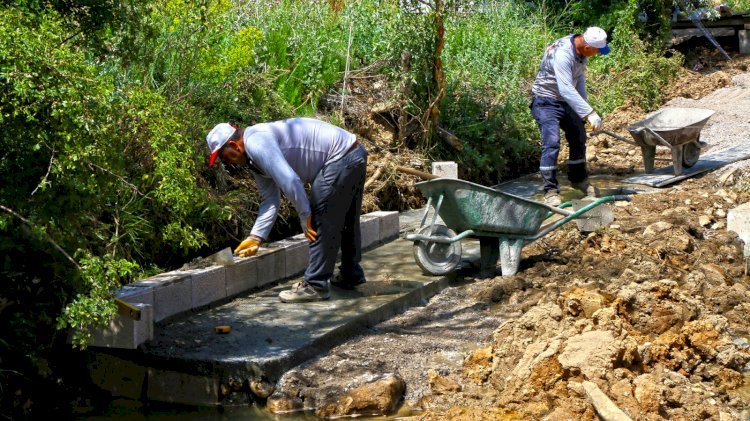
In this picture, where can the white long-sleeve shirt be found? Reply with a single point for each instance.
(562, 76)
(288, 154)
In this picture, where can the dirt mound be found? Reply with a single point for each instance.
(647, 310)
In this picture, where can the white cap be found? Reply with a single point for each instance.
(217, 137)
(597, 38)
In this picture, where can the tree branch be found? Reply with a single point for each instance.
(47, 237)
(49, 167)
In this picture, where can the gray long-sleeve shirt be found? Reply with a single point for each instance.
(562, 76)
(288, 154)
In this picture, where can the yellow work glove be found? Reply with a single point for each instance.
(248, 247)
(308, 230)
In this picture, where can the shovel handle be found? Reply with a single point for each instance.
(421, 174)
(616, 136)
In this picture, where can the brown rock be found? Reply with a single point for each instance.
(478, 365)
(702, 336)
(578, 300)
(261, 389)
(440, 385)
(592, 353)
(715, 274)
(665, 315)
(622, 393)
(648, 392)
(281, 404)
(656, 228)
(380, 397)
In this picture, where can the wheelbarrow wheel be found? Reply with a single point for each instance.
(691, 152)
(437, 258)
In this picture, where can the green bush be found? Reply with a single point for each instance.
(489, 59)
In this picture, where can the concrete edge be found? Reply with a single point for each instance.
(199, 382)
(175, 293)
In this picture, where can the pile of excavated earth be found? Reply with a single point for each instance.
(645, 319)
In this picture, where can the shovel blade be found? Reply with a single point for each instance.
(596, 218)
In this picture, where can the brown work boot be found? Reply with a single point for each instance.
(302, 292)
(552, 198)
(587, 188)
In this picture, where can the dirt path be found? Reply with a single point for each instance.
(647, 317)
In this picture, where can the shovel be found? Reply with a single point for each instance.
(224, 257)
(594, 219)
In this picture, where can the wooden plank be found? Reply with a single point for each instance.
(734, 21)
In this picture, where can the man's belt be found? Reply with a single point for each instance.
(353, 147)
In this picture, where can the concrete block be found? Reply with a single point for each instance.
(124, 332)
(121, 378)
(738, 220)
(271, 264)
(176, 387)
(133, 294)
(241, 276)
(297, 255)
(389, 224)
(369, 227)
(173, 297)
(743, 37)
(208, 285)
(446, 169)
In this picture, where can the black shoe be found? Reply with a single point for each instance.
(339, 282)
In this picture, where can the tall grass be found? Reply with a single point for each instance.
(491, 59)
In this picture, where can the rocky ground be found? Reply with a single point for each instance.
(645, 319)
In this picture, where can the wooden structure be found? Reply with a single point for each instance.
(736, 25)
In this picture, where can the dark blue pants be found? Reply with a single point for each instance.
(552, 115)
(336, 204)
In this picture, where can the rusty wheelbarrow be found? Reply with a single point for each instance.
(503, 222)
(675, 128)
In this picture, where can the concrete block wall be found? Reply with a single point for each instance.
(369, 227)
(738, 220)
(446, 169)
(124, 332)
(241, 276)
(172, 293)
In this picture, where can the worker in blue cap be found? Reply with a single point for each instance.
(559, 101)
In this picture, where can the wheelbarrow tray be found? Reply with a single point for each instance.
(675, 126)
(503, 222)
(468, 206)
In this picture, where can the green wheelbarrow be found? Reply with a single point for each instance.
(502, 222)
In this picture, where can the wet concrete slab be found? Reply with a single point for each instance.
(530, 187)
(269, 337)
(712, 160)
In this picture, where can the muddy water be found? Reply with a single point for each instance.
(530, 187)
(126, 409)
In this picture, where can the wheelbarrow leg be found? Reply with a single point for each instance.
(649, 153)
(677, 159)
(510, 255)
(488, 255)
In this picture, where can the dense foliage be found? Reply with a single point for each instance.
(105, 106)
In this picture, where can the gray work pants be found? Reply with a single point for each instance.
(336, 203)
